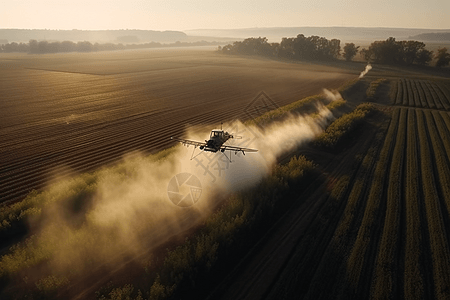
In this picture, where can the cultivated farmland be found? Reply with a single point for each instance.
(70, 113)
(363, 213)
(379, 227)
(423, 94)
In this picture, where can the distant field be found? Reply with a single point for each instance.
(80, 111)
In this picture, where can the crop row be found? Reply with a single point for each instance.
(372, 90)
(386, 267)
(440, 254)
(330, 267)
(393, 234)
(414, 281)
(421, 93)
(357, 260)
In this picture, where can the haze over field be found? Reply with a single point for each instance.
(333, 182)
(182, 15)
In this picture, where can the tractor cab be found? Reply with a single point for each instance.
(216, 134)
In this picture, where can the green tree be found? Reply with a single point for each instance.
(386, 52)
(365, 54)
(34, 46)
(350, 51)
(287, 48)
(409, 51)
(424, 57)
(443, 58)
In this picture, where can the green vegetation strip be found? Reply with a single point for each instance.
(441, 145)
(386, 266)
(415, 93)
(414, 282)
(423, 98)
(343, 126)
(297, 106)
(399, 95)
(371, 217)
(434, 95)
(438, 239)
(329, 275)
(373, 87)
(441, 96)
(428, 96)
(282, 111)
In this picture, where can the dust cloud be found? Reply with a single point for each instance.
(124, 211)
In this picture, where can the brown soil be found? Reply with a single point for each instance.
(71, 113)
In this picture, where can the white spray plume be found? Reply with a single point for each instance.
(332, 95)
(131, 212)
(366, 70)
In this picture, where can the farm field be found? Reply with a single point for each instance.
(378, 228)
(372, 220)
(71, 113)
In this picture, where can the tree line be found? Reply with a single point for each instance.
(320, 48)
(41, 47)
(300, 47)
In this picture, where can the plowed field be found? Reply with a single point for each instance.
(71, 113)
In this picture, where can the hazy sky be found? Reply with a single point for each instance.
(223, 14)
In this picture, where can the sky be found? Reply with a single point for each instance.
(224, 14)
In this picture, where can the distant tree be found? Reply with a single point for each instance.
(391, 51)
(14, 47)
(53, 47)
(409, 51)
(43, 47)
(275, 47)
(34, 46)
(443, 58)
(387, 52)
(304, 47)
(85, 46)
(68, 46)
(350, 50)
(365, 54)
(423, 57)
(335, 48)
(286, 48)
